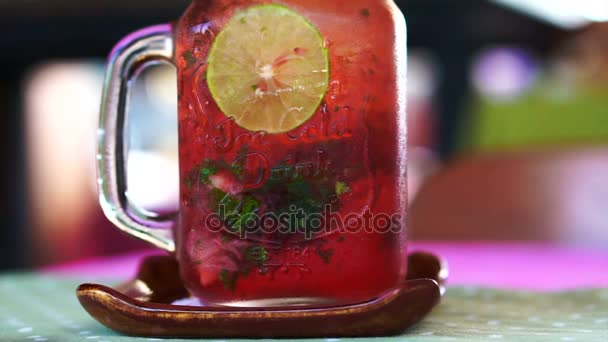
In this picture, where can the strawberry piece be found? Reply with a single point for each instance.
(227, 182)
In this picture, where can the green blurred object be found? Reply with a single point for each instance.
(550, 114)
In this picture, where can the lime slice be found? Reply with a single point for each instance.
(268, 69)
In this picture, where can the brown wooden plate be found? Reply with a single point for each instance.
(142, 307)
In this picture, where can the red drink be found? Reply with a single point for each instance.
(314, 215)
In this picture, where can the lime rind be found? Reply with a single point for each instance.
(246, 46)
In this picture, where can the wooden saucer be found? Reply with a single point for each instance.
(142, 307)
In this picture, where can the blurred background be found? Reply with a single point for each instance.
(508, 122)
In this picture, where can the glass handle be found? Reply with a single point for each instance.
(131, 55)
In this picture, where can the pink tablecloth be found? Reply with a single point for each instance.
(504, 265)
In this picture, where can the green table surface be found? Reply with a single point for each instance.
(35, 307)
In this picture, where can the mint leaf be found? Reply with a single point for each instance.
(246, 212)
(230, 203)
(237, 169)
(250, 205)
(206, 170)
(257, 255)
(307, 196)
(235, 211)
(342, 188)
(228, 279)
